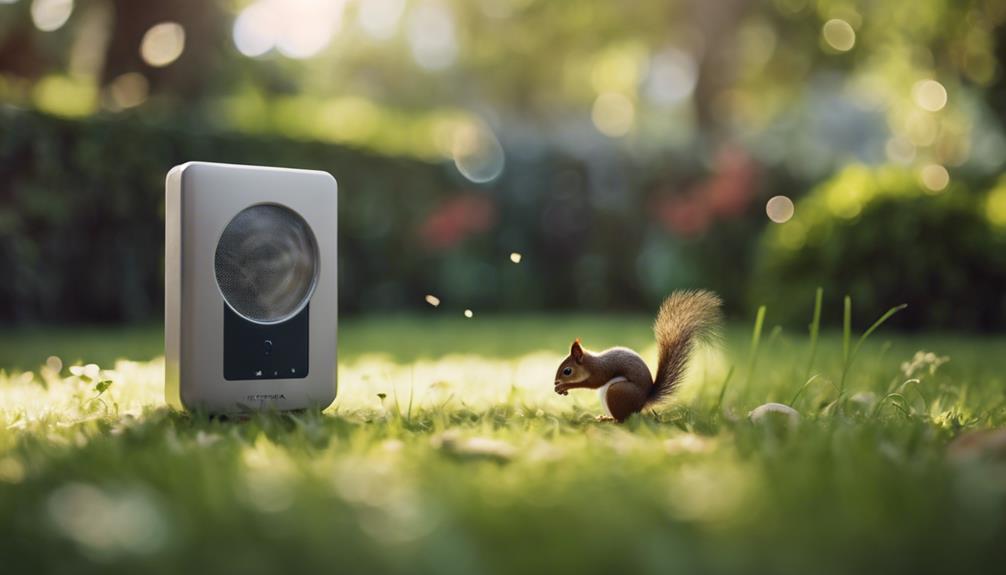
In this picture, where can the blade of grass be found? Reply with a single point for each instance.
(887, 315)
(815, 330)
(723, 390)
(850, 354)
(800, 391)
(755, 344)
(846, 337)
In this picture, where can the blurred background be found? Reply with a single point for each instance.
(517, 156)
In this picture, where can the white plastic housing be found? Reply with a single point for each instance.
(201, 199)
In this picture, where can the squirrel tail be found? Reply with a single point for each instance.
(685, 318)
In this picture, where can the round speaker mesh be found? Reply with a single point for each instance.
(266, 263)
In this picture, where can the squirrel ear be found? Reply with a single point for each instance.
(576, 350)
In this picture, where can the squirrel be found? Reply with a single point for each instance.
(621, 376)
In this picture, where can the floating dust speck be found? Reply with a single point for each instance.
(515, 257)
(432, 300)
(469, 314)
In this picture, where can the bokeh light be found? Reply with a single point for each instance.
(934, 177)
(469, 314)
(432, 300)
(995, 205)
(162, 44)
(108, 522)
(613, 114)
(128, 91)
(839, 35)
(477, 153)
(779, 209)
(254, 30)
(66, 96)
(515, 257)
(432, 36)
(50, 15)
(930, 95)
(671, 77)
(296, 28)
(380, 18)
(900, 150)
(618, 69)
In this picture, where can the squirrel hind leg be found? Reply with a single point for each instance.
(623, 398)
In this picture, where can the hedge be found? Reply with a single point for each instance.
(81, 226)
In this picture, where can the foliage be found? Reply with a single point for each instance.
(688, 74)
(82, 211)
(489, 471)
(81, 226)
(876, 234)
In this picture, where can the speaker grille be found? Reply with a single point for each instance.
(266, 263)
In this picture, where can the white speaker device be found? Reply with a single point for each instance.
(250, 282)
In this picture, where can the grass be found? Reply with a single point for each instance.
(447, 452)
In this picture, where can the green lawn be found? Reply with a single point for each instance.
(470, 463)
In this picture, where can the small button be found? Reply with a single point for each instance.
(267, 346)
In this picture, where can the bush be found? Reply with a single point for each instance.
(873, 233)
(81, 225)
(82, 211)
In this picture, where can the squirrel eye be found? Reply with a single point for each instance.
(568, 371)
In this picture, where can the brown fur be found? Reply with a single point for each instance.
(685, 317)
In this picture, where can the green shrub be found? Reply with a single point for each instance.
(81, 226)
(82, 212)
(875, 234)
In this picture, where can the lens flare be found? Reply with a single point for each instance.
(477, 153)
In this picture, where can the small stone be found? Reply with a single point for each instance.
(763, 412)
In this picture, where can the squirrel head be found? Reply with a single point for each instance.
(572, 369)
